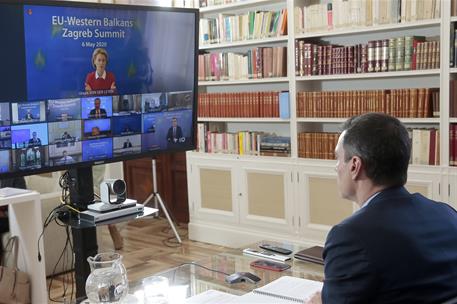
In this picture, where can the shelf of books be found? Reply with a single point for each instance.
(335, 59)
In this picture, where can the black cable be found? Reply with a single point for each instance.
(204, 267)
(64, 258)
(47, 221)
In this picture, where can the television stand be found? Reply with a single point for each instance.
(84, 232)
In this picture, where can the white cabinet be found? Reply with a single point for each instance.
(213, 191)
(266, 193)
(234, 202)
(319, 205)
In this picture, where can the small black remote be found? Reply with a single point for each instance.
(276, 249)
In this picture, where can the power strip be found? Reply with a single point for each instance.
(266, 254)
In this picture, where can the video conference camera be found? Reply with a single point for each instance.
(113, 191)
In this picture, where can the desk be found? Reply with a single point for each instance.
(24, 212)
(189, 280)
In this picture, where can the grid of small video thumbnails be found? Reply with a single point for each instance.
(59, 132)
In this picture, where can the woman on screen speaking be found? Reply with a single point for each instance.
(100, 79)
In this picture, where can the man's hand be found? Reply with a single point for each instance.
(315, 298)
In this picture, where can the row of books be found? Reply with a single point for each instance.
(252, 25)
(342, 14)
(244, 104)
(261, 62)
(414, 103)
(395, 54)
(425, 145)
(241, 143)
(453, 98)
(453, 144)
(319, 145)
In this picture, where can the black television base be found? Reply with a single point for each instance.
(84, 239)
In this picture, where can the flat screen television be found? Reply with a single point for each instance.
(84, 83)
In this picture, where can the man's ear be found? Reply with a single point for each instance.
(356, 167)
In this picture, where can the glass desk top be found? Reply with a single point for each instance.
(189, 279)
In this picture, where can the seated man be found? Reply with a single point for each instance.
(399, 247)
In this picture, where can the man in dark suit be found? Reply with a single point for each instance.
(97, 112)
(127, 144)
(34, 141)
(398, 247)
(174, 133)
(28, 115)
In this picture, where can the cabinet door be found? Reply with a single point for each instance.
(451, 188)
(319, 204)
(212, 191)
(266, 196)
(425, 181)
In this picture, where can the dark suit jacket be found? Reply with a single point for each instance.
(177, 135)
(33, 142)
(93, 111)
(400, 248)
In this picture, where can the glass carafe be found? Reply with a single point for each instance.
(107, 282)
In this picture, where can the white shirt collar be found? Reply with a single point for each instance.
(103, 76)
(369, 200)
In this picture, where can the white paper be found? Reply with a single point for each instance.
(211, 297)
(7, 191)
(256, 298)
(292, 287)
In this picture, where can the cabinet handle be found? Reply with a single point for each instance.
(293, 222)
(240, 194)
(299, 221)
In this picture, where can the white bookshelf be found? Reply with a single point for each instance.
(299, 176)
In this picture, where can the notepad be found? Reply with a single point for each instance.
(286, 289)
(8, 191)
(211, 297)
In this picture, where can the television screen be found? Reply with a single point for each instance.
(90, 83)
